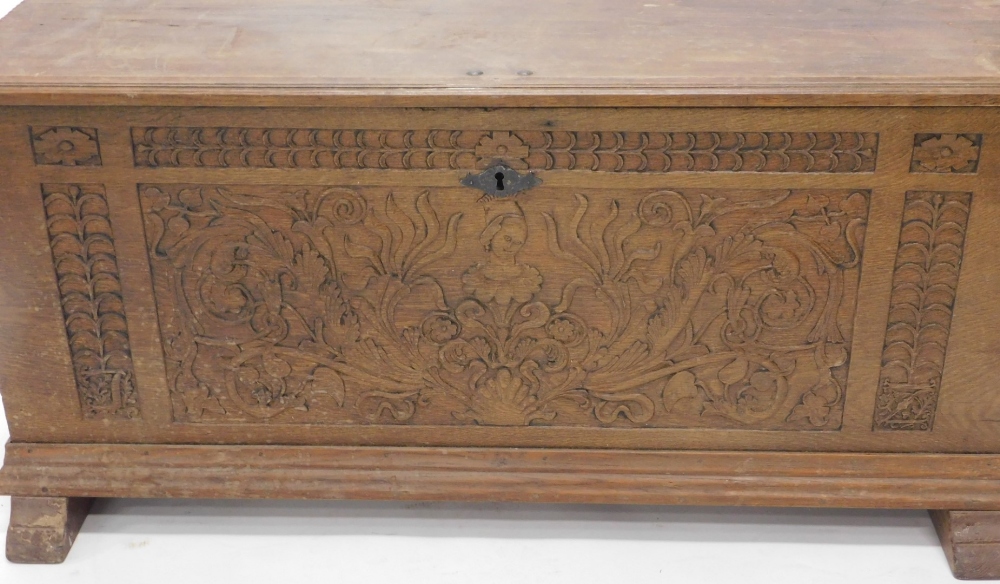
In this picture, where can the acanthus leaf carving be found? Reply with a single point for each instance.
(363, 305)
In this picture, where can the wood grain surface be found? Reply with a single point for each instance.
(780, 479)
(511, 53)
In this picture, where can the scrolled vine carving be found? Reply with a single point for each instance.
(712, 308)
(924, 288)
(603, 151)
(86, 265)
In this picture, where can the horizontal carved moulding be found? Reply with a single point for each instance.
(693, 308)
(165, 147)
(83, 252)
(924, 288)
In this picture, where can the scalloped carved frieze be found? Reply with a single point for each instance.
(319, 305)
(603, 151)
(86, 266)
(924, 288)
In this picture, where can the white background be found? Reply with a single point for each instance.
(148, 542)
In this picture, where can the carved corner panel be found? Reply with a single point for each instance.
(707, 308)
(924, 287)
(65, 146)
(946, 153)
(219, 147)
(86, 266)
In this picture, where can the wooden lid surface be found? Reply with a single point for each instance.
(503, 52)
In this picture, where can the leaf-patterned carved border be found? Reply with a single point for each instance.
(603, 151)
(711, 308)
(924, 288)
(86, 267)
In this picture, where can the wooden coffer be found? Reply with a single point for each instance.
(466, 295)
(292, 277)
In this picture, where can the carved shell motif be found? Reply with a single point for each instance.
(654, 308)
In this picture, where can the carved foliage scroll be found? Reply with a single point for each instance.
(83, 252)
(924, 287)
(729, 309)
(64, 146)
(159, 147)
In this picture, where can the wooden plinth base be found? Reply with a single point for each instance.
(67, 476)
(42, 529)
(971, 540)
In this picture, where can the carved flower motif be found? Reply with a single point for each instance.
(263, 389)
(504, 146)
(781, 308)
(816, 205)
(262, 386)
(440, 328)
(192, 199)
(855, 205)
(945, 153)
(488, 282)
(66, 147)
(566, 329)
(458, 353)
(814, 408)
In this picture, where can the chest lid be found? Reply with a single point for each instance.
(509, 52)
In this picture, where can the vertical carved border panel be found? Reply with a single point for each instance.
(924, 288)
(86, 267)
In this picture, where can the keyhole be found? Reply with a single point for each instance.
(499, 177)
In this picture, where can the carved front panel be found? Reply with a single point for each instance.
(652, 308)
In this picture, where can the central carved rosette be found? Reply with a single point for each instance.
(670, 309)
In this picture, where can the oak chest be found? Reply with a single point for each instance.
(632, 252)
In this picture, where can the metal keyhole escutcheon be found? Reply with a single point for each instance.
(500, 180)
